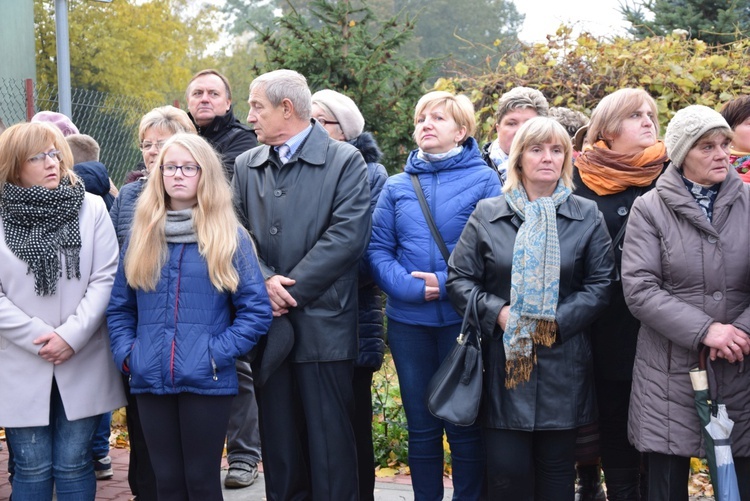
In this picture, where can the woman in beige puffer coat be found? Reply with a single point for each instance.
(686, 277)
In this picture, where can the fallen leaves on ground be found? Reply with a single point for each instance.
(392, 471)
(385, 472)
(700, 485)
(118, 438)
(700, 481)
(119, 417)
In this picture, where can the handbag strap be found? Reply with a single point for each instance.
(621, 233)
(471, 311)
(428, 217)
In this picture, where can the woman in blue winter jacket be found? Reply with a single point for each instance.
(188, 299)
(407, 264)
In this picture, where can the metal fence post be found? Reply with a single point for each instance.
(30, 108)
(63, 58)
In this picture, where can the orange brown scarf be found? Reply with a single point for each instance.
(607, 172)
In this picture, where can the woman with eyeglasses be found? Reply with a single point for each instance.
(59, 255)
(343, 121)
(188, 299)
(155, 128)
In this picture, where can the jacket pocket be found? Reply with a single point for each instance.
(212, 363)
(328, 301)
(199, 368)
(137, 379)
(680, 360)
(669, 356)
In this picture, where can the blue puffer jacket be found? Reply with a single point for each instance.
(96, 180)
(401, 241)
(185, 335)
(370, 321)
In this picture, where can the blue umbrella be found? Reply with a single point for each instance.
(717, 430)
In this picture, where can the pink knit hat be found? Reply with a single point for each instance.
(62, 122)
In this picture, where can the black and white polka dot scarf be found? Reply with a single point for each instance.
(40, 226)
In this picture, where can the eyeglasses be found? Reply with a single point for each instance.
(325, 122)
(188, 170)
(147, 145)
(39, 157)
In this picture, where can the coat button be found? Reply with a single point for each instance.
(277, 193)
(718, 296)
(273, 268)
(712, 239)
(274, 230)
(622, 211)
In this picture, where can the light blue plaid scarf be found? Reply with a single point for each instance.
(534, 283)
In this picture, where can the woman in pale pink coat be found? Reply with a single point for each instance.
(59, 255)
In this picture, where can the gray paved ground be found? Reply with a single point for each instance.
(384, 491)
(391, 489)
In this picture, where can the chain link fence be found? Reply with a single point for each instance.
(109, 118)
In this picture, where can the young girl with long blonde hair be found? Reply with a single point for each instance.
(189, 298)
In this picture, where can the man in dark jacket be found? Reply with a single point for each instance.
(87, 166)
(305, 198)
(209, 101)
(514, 108)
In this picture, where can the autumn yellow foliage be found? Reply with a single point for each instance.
(578, 71)
(128, 47)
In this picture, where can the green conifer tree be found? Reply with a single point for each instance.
(344, 46)
(713, 21)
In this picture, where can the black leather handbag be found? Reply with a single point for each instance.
(455, 391)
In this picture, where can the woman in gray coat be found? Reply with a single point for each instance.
(685, 270)
(543, 260)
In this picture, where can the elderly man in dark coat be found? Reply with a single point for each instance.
(305, 198)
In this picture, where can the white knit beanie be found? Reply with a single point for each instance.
(687, 126)
(343, 110)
